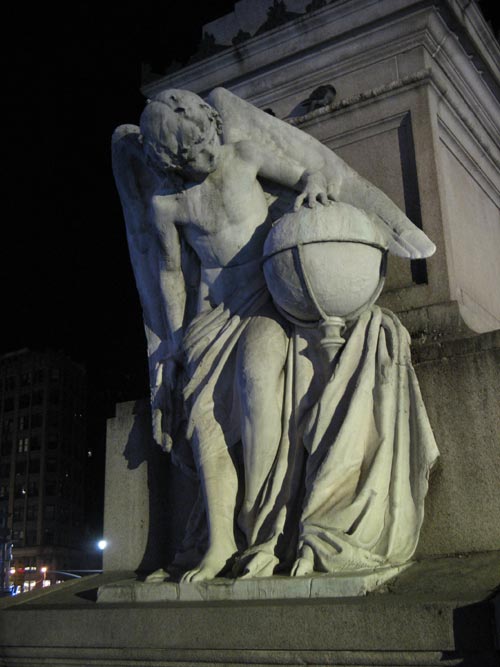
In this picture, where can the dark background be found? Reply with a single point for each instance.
(73, 74)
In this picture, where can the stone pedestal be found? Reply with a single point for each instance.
(437, 613)
(460, 383)
(147, 498)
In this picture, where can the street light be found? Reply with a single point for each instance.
(102, 544)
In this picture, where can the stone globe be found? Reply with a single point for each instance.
(325, 262)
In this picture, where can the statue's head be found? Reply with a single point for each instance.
(181, 133)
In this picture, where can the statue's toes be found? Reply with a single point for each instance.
(195, 574)
(156, 577)
(260, 565)
(302, 567)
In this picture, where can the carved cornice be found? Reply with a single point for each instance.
(422, 77)
(330, 27)
(418, 77)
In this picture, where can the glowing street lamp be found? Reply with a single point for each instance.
(102, 544)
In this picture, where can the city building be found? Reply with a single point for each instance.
(42, 464)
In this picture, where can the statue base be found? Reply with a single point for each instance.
(437, 612)
(261, 588)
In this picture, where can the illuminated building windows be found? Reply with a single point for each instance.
(23, 445)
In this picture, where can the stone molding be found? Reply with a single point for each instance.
(490, 149)
(339, 25)
(273, 57)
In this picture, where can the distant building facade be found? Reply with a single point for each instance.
(42, 464)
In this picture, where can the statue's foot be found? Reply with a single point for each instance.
(304, 565)
(259, 564)
(213, 563)
(157, 576)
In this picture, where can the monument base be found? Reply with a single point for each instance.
(262, 588)
(438, 612)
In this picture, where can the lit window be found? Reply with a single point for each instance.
(23, 445)
(19, 491)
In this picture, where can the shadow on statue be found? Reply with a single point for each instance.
(171, 493)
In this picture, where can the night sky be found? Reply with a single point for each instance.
(73, 75)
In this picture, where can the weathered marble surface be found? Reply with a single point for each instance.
(258, 588)
(310, 439)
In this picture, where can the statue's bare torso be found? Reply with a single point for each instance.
(222, 217)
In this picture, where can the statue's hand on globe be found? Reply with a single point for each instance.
(316, 191)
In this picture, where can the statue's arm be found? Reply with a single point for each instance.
(243, 122)
(280, 168)
(171, 279)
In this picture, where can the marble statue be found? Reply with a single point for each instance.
(258, 255)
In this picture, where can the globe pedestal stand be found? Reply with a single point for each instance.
(331, 342)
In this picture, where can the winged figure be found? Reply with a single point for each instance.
(201, 183)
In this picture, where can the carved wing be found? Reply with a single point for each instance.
(242, 121)
(136, 183)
